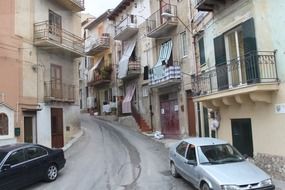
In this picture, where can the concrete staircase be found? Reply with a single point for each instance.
(143, 125)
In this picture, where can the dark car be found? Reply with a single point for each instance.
(24, 164)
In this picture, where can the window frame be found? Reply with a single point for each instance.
(184, 44)
(201, 48)
(182, 144)
(7, 123)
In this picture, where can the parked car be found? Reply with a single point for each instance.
(213, 164)
(24, 164)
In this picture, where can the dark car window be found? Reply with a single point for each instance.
(181, 148)
(2, 155)
(191, 153)
(34, 152)
(16, 157)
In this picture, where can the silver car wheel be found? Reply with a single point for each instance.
(205, 186)
(52, 173)
(173, 170)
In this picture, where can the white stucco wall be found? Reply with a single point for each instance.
(44, 126)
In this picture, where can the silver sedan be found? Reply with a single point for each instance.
(213, 164)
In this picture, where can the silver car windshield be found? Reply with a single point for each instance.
(218, 154)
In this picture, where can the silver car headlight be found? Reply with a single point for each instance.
(267, 182)
(230, 187)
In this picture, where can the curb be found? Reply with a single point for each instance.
(75, 139)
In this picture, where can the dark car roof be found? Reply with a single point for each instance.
(8, 148)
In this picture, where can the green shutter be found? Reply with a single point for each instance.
(250, 51)
(221, 62)
(202, 51)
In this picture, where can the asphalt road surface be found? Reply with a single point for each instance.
(113, 157)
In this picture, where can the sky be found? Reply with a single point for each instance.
(97, 7)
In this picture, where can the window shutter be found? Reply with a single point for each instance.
(249, 39)
(250, 51)
(202, 51)
(221, 62)
(145, 73)
(220, 50)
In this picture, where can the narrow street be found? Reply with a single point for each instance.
(111, 157)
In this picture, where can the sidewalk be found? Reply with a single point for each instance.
(75, 139)
(279, 185)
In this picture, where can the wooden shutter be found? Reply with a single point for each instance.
(202, 51)
(250, 51)
(145, 73)
(221, 62)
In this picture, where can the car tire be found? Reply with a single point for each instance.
(173, 170)
(205, 186)
(51, 173)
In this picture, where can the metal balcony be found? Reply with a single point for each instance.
(126, 28)
(245, 75)
(73, 5)
(134, 69)
(101, 77)
(162, 22)
(59, 92)
(164, 76)
(209, 5)
(95, 44)
(53, 38)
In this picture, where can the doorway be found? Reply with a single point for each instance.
(57, 127)
(191, 116)
(29, 130)
(242, 136)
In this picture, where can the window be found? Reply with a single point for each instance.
(34, 152)
(181, 148)
(201, 51)
(144, 91)
(191, 153)
(3, 124)
(54, 23)
(184, 46)
(16, 158)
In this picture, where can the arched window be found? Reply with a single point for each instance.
(3, 124)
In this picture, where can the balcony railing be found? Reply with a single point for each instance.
(95, 44)
(126, 28)
(250, 69)
(59, 92)
(208, 5)
(161, 22)
(163, 75)
(49, 35)
(101, 76)
(134, 69)
(73, 5)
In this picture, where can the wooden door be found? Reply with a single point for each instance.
(28, 129)
(56, 81)
(191, 117)
(57, 127)
(55, 26)
(169, 118)
(242, 136)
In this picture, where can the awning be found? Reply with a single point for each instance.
(164, 55)
(123, 64)
(126, 105)
(91, 71)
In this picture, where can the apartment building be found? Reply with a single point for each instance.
(46, 105)
(239, 77)
(170, 81)
(132, 60)
(100, 80)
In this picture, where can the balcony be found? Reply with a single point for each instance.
(162, 22)
(126, 28)
(59, 92)
(101, 77)
(210, 5)
(165, 76)
(73, 5)
(95, 44)
(250, 78)
(55, 39)
(134, 69)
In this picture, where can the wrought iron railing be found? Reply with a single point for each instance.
(43, 31)
(80, 3)
(129, 21)
(167, 13)
(56, 91)
(92, 42)
(251, 68)
(164, 73)
(134, 65)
